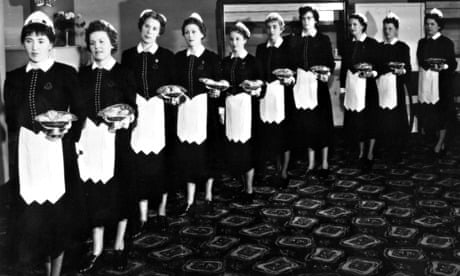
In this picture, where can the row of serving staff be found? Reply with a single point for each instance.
(237, 110)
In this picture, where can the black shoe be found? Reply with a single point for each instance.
(120, 261)
(368, 164)
(362, 162)
(247, 198)
(139, 230)
(187, 210)
(162, 223)
(90, 263)
(310, 173)
(208, 206)
(323, 173)
(285, 182)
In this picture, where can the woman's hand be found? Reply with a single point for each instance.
(56, 134)
(323, 77)
(367, 74)
(213, 93)
(439, 67)
(177, 100)
(287, 81)
(221, 115)
(255, 92)
(123, 124)
(399, 71)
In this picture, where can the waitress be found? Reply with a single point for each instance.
(197, 118)
(153, 67)
(277, 104)
(313, 123)
(103, 162)
(435, 89)
(44, 169)
(392, 87)
(361, 100)
(241, 108)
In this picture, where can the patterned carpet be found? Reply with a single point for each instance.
(400, 219)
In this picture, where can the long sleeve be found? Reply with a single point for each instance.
(406, 60)
(77, 104)
(10, 105)
(450, 56)
(328, 54)
(345, 64)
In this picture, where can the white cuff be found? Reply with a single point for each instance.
(221, 111)
(342, 90)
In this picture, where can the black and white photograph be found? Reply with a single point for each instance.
(230, 137)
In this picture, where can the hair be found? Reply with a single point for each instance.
(360, 20)
(303, 10)
(39, 29)
(391, 20)
(242, 32)
(439, 20)
(97, 26)
(153, 15)
(193, 20)
(274, 19)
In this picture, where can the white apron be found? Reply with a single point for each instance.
(96, 148)
(386, 85)
(272, 105)
(238, 117)
(428, 86)
(149, 134)
(355, 95)
(192, 120)
(306, 90)
(41, 167)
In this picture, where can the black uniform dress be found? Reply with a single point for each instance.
(439, 115)
(395, 124)
(313, 128)
(107, 203)
(273, 137)
(362, 125)
(240, 157)
(195, 163)
(41, 230)
(151, 71)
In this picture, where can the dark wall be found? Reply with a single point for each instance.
(175, 11)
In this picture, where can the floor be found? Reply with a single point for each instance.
(400, 219)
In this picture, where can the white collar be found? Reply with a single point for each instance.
(277, 43)
(392, 42)
(44, 65)
(197, 52)
(436, 36)
(362, 38)
(152, 49)
(312, 33)
(242, 55)
(106, 64)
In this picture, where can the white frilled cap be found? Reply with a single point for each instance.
(275, 16)
(437, 12)
(391, 14)
(196, 16)
(144, 12)
(362, 16)
(240, 26)
(163, 17)
(41, 18)
(108, 25)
